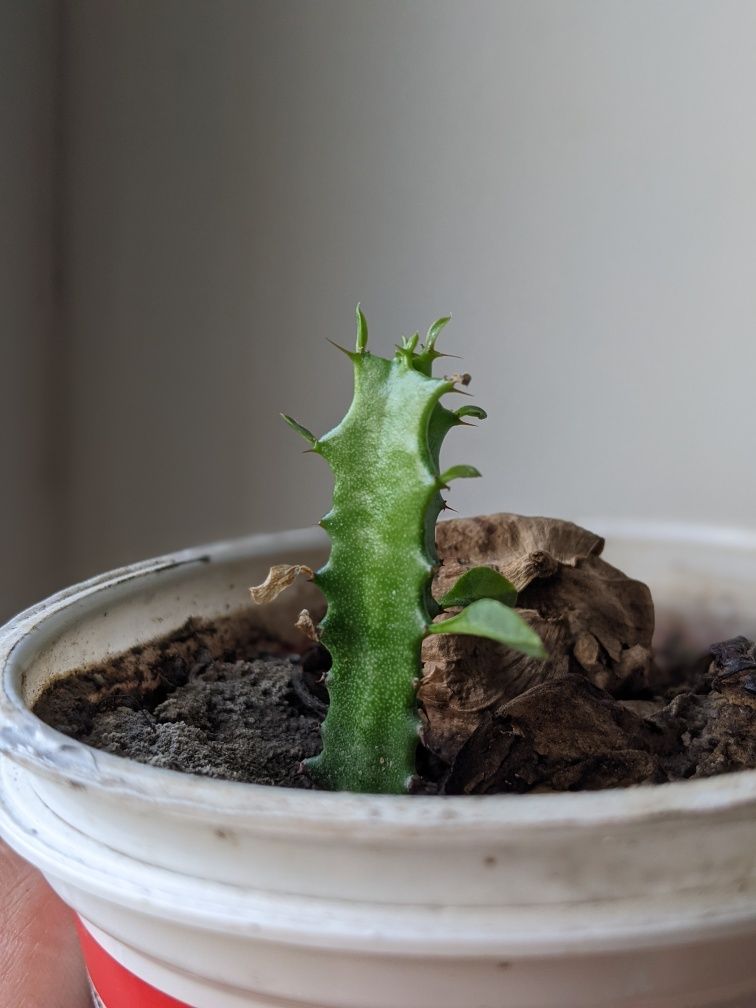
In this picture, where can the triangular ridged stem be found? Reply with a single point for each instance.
(377, 579)
(387, 496)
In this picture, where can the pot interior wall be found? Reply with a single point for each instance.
(135, 610)
(701, 579)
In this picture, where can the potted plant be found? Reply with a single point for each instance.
(216, 893)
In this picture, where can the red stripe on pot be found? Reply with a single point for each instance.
(113, 985)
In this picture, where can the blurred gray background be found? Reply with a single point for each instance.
(195, 193)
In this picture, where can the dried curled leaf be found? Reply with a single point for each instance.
(565, 734)
(521, 548)
(464, 677)
(280, 577)
(306, 624)
(593, 620)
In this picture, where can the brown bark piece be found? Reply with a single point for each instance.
(594, 621)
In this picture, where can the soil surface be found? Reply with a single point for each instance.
(219, 700)
(226, 701)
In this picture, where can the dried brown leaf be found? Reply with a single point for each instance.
(306, 624)
(280, 577)
(594, 621)
(565, 734)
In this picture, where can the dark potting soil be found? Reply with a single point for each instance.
(253, 714)
(196, 702)
(226, 701)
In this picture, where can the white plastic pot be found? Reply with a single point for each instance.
(226, 895)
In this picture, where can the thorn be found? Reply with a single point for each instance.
(321, 679)
(350, 353)
(301, 768)
(447, 507)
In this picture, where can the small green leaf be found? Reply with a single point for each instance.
(480, 583)
(435, 329)
(362, 331)
(423, 361)
(457, 472)
(472, 411)
(307, 435)
(487, 618)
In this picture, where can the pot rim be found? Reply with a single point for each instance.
(28, 741)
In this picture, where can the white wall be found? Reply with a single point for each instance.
(575, 181)
(29, 404)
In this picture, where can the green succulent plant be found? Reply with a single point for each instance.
(387, 496)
